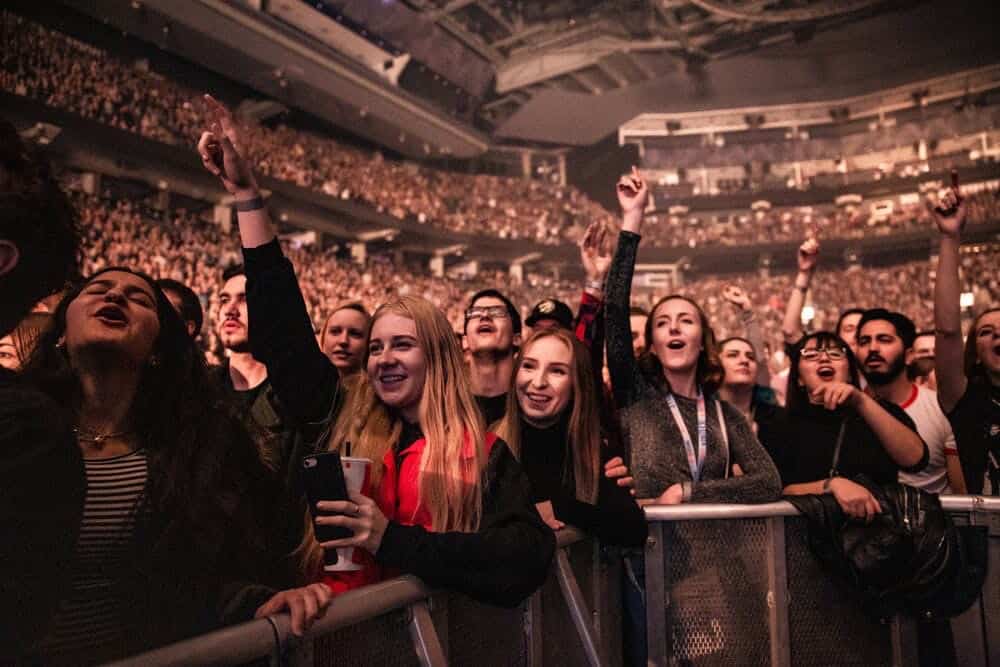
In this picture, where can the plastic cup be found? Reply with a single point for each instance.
(356, 477)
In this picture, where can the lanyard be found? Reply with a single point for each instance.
(696, 460)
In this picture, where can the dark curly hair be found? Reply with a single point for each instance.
(204, 468)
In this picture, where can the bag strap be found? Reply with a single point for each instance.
(836, 450)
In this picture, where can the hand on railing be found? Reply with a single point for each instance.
(616, 469)
(674, 495)
(854, 499)
(305, 605)
(549, 515)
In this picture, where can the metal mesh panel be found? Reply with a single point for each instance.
(483, 635)
(717, 592)
(562, 645)
(384, 640)
(826, 626)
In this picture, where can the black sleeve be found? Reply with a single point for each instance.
(625, 377)
(42, 488)
(281, 336)
(907, 421)
(616, 519)
(503, 563)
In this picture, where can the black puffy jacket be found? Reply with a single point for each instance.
(910, 559)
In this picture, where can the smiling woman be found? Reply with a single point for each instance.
(446, 500)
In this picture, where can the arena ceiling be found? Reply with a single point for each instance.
(570, 71)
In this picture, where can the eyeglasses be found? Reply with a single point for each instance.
(492, 312)
(832, 353)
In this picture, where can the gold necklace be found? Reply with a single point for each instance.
(99, 439)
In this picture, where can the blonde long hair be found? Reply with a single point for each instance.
(583, 438)
(450, 486)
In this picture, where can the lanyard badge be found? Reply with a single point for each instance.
(696, 459)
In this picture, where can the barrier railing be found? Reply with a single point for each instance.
(725, 584)
(715, 573)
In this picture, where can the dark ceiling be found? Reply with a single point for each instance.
(571, 71)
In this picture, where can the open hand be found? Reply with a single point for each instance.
(595, 252)
(735, 295)
(220, 150)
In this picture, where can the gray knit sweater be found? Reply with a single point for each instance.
(658, 459)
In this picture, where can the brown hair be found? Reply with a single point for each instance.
(583, 438)
(971, 364)
(709, 370)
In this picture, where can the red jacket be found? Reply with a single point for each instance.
(396, 497)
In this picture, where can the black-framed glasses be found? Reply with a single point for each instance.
(492, 312)
(832, 353)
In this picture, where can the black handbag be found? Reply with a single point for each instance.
(911, 558)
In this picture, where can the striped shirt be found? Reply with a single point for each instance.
(88, 624)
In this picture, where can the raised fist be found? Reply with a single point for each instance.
(808, 255)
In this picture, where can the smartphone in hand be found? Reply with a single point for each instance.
(323, 477)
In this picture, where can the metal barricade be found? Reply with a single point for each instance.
(736, 584)
(725, 585)
(574, 619)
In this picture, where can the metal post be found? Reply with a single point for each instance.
(777, 593)
(656, 597)
(424, 637)
(577, 606)
(533, 629)
(904, 641)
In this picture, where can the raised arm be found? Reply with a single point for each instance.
(949, 214)
(595, 255)
(281, 333)
(791, 327)
(625, 377)
(751, 329)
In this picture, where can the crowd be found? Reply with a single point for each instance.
(195, 252)
(65, 73)
(191, 495)
(731, 228)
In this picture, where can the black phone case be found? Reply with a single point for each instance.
(323, 478)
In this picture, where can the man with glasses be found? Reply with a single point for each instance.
(492, 335)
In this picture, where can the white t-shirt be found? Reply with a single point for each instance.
(935, 430)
